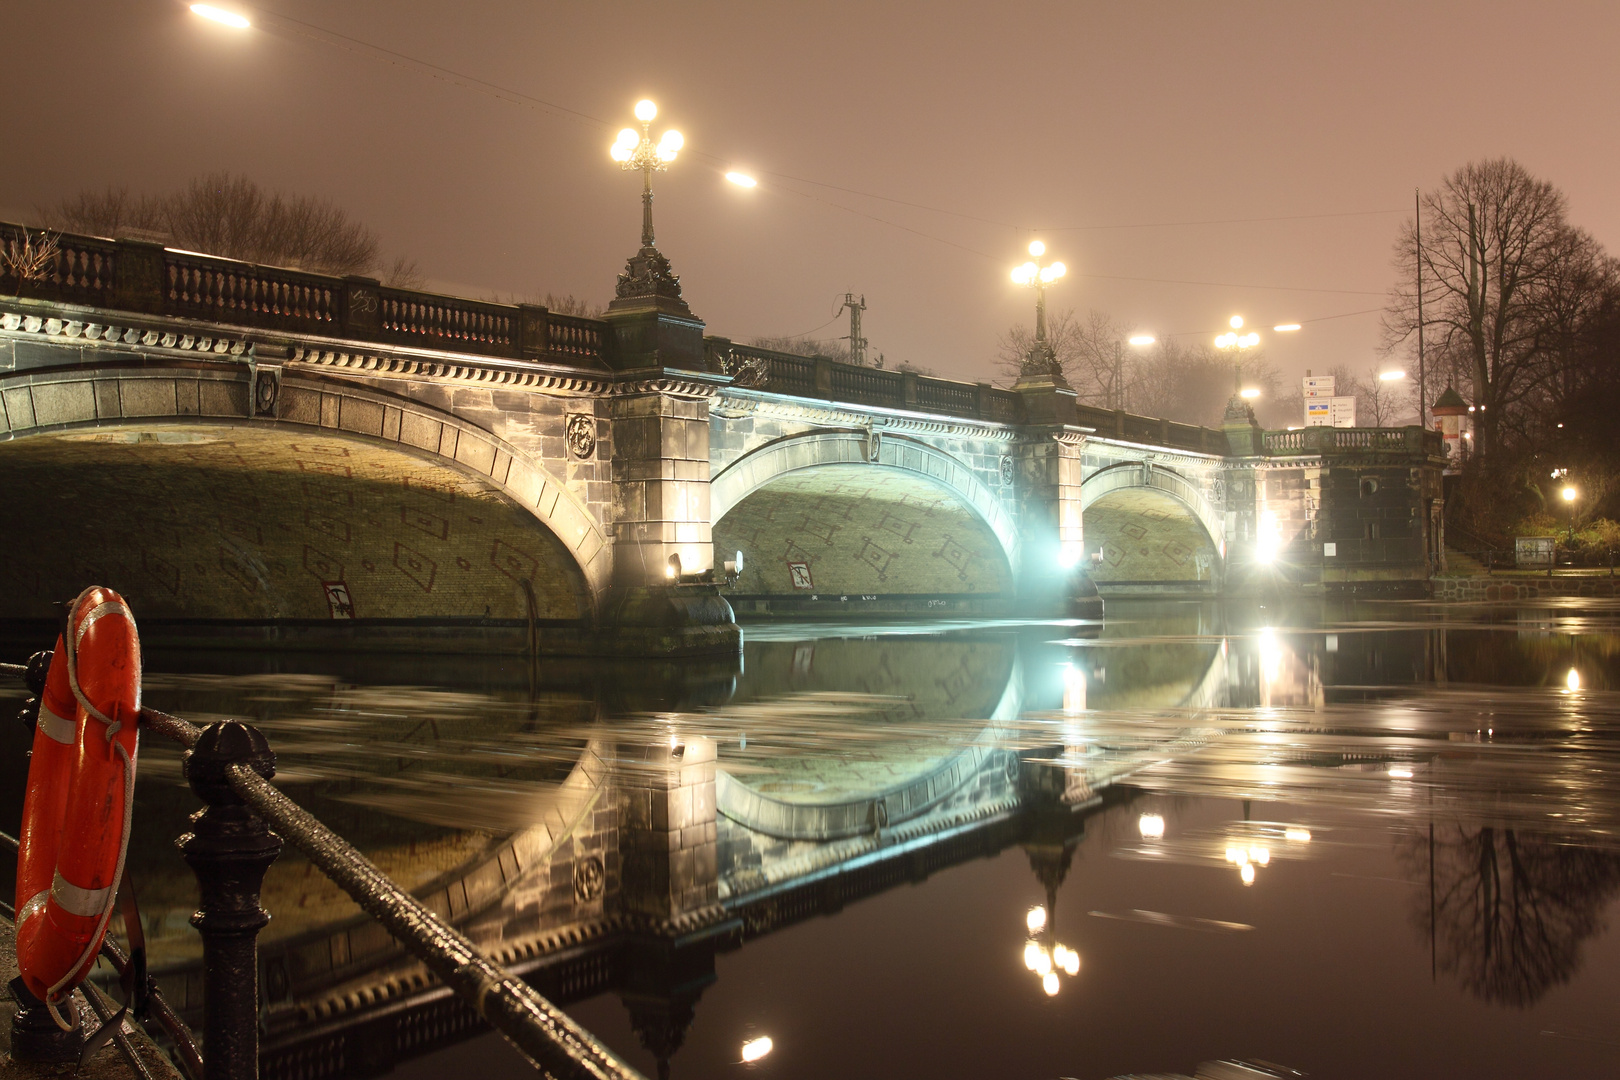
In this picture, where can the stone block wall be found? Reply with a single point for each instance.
(668, 830)
(660, 486)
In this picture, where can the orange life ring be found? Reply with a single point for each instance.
(81, 787)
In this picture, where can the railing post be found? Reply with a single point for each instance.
(229, 849)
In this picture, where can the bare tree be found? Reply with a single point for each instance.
(1088, 348)
(805, 346)
(1192, 384)
(231, 216)
(1509, 912)
(1498, 259)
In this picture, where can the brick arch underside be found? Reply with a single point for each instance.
(192, 516)
(912, 523)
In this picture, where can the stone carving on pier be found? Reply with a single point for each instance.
(581, 435)
(648, 273)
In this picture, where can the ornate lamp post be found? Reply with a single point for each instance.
(1041, 359)
(634, 151)
(648, 273)
(1234, 343)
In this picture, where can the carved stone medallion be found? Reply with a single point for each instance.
(582, 435)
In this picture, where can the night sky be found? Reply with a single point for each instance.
(1130, 135)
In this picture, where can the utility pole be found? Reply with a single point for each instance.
(1423, 386)
(1118, 389)
(857, 344)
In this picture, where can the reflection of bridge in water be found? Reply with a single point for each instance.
(623, 858)
(604, 845)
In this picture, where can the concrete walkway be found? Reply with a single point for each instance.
(108, 1064)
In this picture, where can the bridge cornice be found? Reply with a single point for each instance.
(734, 403)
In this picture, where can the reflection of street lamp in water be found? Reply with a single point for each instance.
(1044, 955)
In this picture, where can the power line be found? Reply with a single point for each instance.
(1220, 221)
(322, 35)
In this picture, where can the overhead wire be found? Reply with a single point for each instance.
(276, 21)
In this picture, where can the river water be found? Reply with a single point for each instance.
(1363, 841)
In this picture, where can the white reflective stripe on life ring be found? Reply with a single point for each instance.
(106, 607)
(57, 727)
(35, 905)
(89, 903)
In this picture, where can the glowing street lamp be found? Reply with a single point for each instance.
(1569, 494)
(1041, 360)
(633, 151)
(1044, 955)
(1391, 376)
(1234, 343)
(220, 15)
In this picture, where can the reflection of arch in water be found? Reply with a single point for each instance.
(298, 969)
(931, 782)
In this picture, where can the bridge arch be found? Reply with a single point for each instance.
(1153, 526)
(761, 466)
(91, 411)
(1143, 474)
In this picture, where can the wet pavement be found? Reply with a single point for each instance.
(1377, 840)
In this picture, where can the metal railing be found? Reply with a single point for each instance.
(229, 765)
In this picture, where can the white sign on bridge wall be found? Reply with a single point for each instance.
(1318, 391)
(1344, 411)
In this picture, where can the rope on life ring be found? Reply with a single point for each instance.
(62, 776)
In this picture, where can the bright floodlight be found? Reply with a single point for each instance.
(1143, 339)
(1569, 494)
(1286, 328)
(1036, 248)
(1025, 275)
(1236, 322)
(670, 145)
(754, 1049)
(628, 138)
(229, 18)
(1251, 393)
(1249, 341)
(1036, 919)
(1391, 376)
(742, 179)
(645, 111)
(1049, 983)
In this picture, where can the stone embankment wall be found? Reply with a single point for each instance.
(1495, 588)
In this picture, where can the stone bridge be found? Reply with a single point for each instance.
(285, 454)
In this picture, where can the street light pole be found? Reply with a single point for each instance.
(637, 151)
(1041, 359)
(1234, 343)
